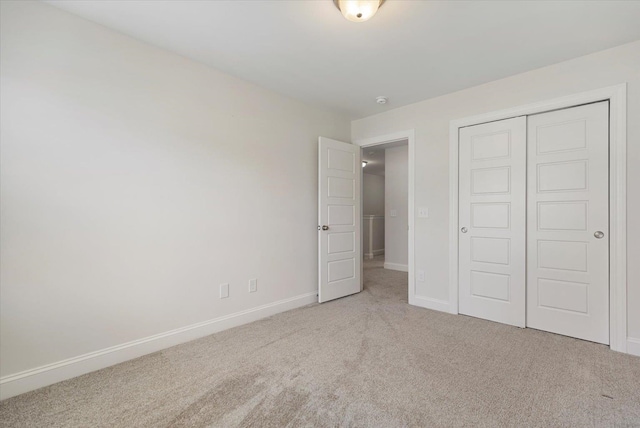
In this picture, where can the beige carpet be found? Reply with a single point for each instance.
(366, 360)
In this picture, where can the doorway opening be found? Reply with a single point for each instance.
(385, 215)
(340, 243)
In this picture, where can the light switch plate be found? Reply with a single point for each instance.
(224, 291)
(423, 212)
(420, 275)
(393, 213)
(253, 285)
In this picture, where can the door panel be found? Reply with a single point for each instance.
(339, 249)
(567, 199)
(492, 211)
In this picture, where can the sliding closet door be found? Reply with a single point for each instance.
(568, 222)
(492, 165)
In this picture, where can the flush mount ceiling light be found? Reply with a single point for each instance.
(382, 100)
(364, 163)
(358, 10)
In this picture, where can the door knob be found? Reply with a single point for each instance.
(325, 227)
(463, 230)
(599, 234)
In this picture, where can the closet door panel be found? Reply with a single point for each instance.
(568, 222)
(491, 241)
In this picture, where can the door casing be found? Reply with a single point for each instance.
(617, 97)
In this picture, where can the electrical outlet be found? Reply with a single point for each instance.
(423, 212)
(420, 275)
(253, 285)
(224, 291)
(393, 213)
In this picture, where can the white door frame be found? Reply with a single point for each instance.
(408, 135)
(617, 97)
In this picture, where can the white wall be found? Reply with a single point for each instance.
(396, 237)
(430, 119)
(134, 182)
(372, 194)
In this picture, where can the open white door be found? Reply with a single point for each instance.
(339, 252)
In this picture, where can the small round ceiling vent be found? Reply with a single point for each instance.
(382, 100)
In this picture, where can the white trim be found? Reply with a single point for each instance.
(29, 380)
(633, 346)
(454, 134)
(375, 253)
(617, 195)
(618, 218)
(396, 266)
(434, 304)
(410, 136)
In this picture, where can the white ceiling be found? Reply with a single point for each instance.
(409, 51)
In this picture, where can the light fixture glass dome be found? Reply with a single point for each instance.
(358, 10)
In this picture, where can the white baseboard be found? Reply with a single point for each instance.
(396, 266)
(429, 303)
(374, 253)
(633, 346)
(29, 380)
